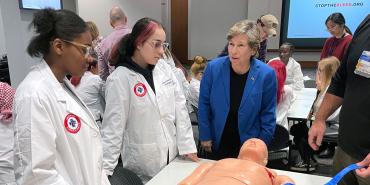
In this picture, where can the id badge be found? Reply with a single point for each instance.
(363, 65)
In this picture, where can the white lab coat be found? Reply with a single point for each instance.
(91, 91)
(194, 92)
(145, 128)
(6, 153)
(179, 74)
(45, 151)
(294, 75)
(283, 107)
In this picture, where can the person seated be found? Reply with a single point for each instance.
(285, 95)
(249, 168)
(197, 70)
(325, 71)
(294, 75)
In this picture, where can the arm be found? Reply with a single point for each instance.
(197, 174)
(102, 92)
(268, 108)
(332, 100)
(364, 172)
(184, 132)
(204, 107)
(35, 144)
(102, 63)
(317, 130)
(286, 102)
(114, 122)
(298, 78)
(324, 51)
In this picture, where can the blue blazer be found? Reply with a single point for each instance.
(256, 116)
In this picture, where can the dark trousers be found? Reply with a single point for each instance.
(300, 133)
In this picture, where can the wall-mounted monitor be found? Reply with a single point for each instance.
(40, 4)
(303, 21)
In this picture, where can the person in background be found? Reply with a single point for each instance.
(267, 25)
(341, 37)
(285, 95)
(57, 140)
(7, 135)
(118, 21)
(237, 99)
(96, 38)
(197, 70)
(294, 75)
(178, 71)
(91, 89)
(145, 120)
(325, 71)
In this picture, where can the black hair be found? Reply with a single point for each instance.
(338, 18)
(290, 45)
(127, 44)
(50, 24)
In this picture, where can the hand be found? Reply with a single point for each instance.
(192, 156)
(316, 133)
(207, 145)
(364, 172)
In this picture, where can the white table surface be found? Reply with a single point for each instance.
(302, 104)
(179, 169)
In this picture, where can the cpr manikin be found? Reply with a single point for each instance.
(249, 168)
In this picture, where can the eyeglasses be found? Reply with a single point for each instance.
(158, 44)
(86, 50)
(331, 28)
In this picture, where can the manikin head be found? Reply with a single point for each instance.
(255, 150)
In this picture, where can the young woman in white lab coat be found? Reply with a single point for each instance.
(285, 96)
(6, 135)
(197, 72)
(57, 140)
(145, 120)
(294, 75)
(91, 88)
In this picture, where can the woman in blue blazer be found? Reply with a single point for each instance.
(237, 98)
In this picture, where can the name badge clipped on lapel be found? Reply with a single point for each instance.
(363, 65)
(140, 89)
(72, 123)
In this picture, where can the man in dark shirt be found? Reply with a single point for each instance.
(352, 91)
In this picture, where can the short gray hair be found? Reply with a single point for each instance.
(248, 28)
(116, 14)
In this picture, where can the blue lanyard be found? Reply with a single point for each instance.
(342, 173)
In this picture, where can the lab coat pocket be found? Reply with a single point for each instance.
(143, 159)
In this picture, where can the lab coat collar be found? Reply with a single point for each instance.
(61, 94)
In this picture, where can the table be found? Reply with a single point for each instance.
(179, 169)
(301, 106)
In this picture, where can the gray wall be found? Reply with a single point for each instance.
(2, 36)
(17, 35)
(209, 22)
(98, 11)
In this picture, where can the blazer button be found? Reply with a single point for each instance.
(95, 134)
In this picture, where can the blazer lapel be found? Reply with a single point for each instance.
(226, 79)
(251, 80)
